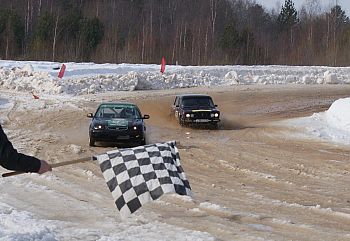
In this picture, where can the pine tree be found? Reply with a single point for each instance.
(288, 16)
(230, 40)
(92, 32)
(339, 16)
(11, 34)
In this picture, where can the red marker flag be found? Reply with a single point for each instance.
(35, 96)
(162, 67)
(61, 73)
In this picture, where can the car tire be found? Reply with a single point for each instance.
(215, 125)
(92, 142)
(181, 122)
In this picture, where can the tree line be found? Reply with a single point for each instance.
(187, 32)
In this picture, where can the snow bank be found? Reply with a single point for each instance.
(338, 115)
(25, 79)
(84, 78)
(331, 125)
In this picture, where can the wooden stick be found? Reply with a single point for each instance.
(84, 159)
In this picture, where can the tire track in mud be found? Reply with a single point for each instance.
(19, 137)
(253, 196)
(252, 151)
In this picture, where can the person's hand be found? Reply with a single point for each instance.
(44, 167)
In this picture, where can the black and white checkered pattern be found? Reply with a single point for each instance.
(138, 175)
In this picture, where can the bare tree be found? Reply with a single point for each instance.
(55, 37)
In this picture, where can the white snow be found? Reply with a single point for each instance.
(40, 78)
(211, 206)
(21, 225)
(338, 114)
(331, 125)
(83, 78)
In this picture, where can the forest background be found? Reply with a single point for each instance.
(186, 32)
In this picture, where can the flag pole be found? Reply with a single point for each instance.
(54, 165)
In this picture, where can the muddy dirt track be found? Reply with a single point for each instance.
(251, 178)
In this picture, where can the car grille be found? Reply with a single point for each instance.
(118, 128)
(202, 115)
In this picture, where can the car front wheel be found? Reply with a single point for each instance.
(214, 125)
(92, 141)
(181, 122)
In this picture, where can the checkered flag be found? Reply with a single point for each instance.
(138, 175)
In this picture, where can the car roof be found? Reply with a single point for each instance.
(193, 95)
(117, 103)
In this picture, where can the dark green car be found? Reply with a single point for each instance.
(118, 122)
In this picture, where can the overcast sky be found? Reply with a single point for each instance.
(269, 4)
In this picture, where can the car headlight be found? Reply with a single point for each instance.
(216, 115)
(188, 115)
(212, 115)
(135, 128)
(99, 127)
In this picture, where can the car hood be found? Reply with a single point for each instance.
(117, 122)
(200, 108)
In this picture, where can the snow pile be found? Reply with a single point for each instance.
(332, 125)
(86, 78)
(338, 115)
(25, 79)
(330, 78)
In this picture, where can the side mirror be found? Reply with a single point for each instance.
(90, 115)
(216, 105)
(145, 117)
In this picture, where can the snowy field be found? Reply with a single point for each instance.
(41, 79)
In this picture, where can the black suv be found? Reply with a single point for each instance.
(117, 122)
(196, 109)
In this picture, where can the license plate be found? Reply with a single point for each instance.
(201, 120)
(123, 137)
(113, 123)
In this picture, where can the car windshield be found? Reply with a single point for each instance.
(118, 111)
(191, 102)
